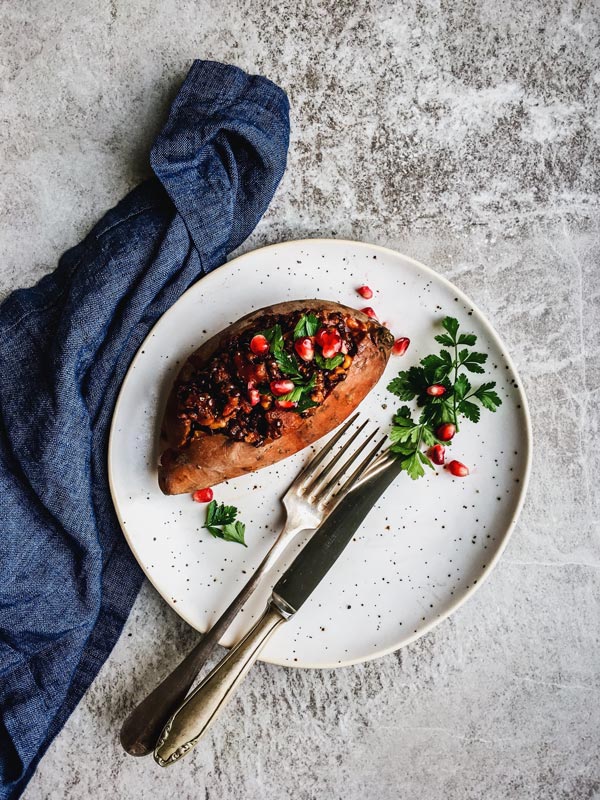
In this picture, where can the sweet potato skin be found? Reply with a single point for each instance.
(212, 459)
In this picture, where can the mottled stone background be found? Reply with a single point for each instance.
(465, 134)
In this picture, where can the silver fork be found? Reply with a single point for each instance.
(311, 497)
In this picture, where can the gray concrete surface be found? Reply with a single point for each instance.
(465, 134)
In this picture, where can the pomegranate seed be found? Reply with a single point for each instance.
(203, 495)
(437, 453)
(285, 404)
(369, 312)
(281, 387)
(457, 469)
(323, 334)
(446, 431)
(436, 390)
(400, 346)
(254, 397)
(330, 340)
(259, 345)
(305, 348)
(330, 352)
(365, 291)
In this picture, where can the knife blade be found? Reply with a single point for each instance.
(324, 548)
(200, 709)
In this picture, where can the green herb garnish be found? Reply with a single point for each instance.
(407, 438)
(289, 366)
(221, 523)
(307, 325)
(301, 394)
(305, 403)
(329, 363)
(234, 532)
(287, 363)
(457, 400)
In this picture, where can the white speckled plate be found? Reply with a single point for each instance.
(423, 549)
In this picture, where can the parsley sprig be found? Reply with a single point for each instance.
(288, 363)
(407, 438)
(301, 394)
(222, 524)
(307, 325)
(458, 400)
(329, 363)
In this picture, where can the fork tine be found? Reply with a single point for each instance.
(324, 493)
(380, 458)
(360, 471)
(322, 453)
(317, 482)
(374, 469)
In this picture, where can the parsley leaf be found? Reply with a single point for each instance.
(286, 362)
(216, 532)
(429, 438)
(274, 336)
(305, 403)
(307, 325)
(413, 462)
(444, 339)
(406, 437)
(234, 532)
(438, 412)
(329, 363)
(294, 395)
(221, 523)
(469, 410)
(401, 387)
(488, 398)
(426, 460)
(412, 465)
(461, 387)
(472, 361)
(451, 325)
(402, 416)
(409, 383)
(300, 390)
(220, 514)
(437, 367)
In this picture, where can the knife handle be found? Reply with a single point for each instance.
(194, 717)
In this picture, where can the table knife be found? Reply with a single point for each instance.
(200, 709)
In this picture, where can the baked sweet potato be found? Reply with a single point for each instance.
(274, 382)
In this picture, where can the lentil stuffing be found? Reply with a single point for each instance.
(284, 364)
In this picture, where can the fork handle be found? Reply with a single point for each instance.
(144, 724)
(191, 721)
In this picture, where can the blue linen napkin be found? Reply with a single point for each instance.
(67, 577)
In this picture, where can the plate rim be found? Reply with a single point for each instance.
(493, 335)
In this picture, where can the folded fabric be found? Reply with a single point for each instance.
(67, 578)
